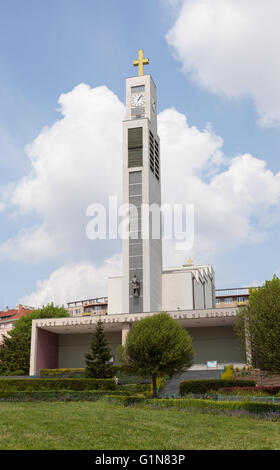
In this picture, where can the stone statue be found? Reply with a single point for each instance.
(135, 286)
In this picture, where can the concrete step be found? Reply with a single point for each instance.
(172, 385)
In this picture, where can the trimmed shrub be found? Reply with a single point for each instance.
(204, 386)
(228, 374)
(13, 385)
(270, 390)
(59, 395)
(211, 405)
(12, 373)
(60, 372)
(134, 388)
(125, 400)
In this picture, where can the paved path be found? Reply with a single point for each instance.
(172, 385)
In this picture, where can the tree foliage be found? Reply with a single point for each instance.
(260, 319)
(15, 349)
(98, 363)
(156, 346)
(24, 323)
(14, 355)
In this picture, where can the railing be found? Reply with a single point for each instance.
(94, 313)
(88, 302)
(234, 291)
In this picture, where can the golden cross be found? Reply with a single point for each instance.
(140, 62)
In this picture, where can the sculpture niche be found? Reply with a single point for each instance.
(135, 286)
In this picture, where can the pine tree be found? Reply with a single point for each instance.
(97, 363)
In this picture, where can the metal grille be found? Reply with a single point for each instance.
(135, 239)
(135, 147)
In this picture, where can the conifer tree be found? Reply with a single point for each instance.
(98, 361)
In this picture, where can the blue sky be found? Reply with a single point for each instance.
(49, 48)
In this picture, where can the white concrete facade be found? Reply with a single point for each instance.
(211, 329)
(185, 288)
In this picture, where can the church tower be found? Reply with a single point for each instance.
(142, 249)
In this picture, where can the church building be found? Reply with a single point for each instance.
(187, 293)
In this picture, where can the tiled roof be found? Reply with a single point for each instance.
(14, 314)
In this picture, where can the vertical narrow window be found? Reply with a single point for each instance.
(157, 169)
(152, 156)
(135, 147)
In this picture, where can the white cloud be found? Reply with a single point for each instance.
(75, 162)
(231, 47)
(233, 203)
(74, 282)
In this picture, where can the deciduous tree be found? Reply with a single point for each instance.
(156, 346)
(260, 319)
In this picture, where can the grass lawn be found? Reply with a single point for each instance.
(99, 425)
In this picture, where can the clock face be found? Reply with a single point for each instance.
(138, 99)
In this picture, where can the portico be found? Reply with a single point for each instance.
(62, 342)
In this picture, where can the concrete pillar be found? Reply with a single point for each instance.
(126, 327)
(33, 349)
(248, 347)
(44, 350)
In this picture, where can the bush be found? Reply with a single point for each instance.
(211, 405)
(134, 388)
(270, 390)
(59, 395)
(125, 400)
(204, 386)
(11, 373)
(228, 374)
(13, 385)
(61, 372)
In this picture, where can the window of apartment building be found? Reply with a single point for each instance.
(228, 300)
(240, 299)
(218, 301)
(97, 308)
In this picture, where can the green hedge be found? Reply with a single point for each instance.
(212, 405)
(13, 385)
(60, 372)
(125, 400)
(204, 386)
(58, 395)
(194, 403)
(114, 397)
(135, 388)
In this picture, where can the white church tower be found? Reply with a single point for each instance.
(142, 255)
(145, 286)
